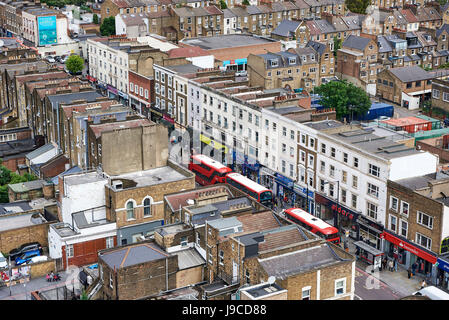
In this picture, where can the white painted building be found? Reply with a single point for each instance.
(83, 212)
(353, 166)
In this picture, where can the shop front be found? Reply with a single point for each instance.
(443, 271)
(340, 216)
(245, 165)
(284, 189)
(419, 259)
(112, 92)
(123, 97)
(102, 87)
(303, 201)
(370, 231)
(267, 177)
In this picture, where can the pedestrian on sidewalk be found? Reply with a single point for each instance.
(409, 273)
(423, 284)
(384, 263)
(396, 265)
(414, 265)
(390, 265)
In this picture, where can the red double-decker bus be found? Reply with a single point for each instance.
(253, 189)
(207, 171)
(313, 224)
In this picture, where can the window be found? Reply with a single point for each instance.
(446, 96)
(284, 147)
(111, 280)
(423, 241)
(403, 228)
(354, 201)
(331, 170)
(109, 242)
(247, 276)
(394, 203)
(305, 293)
(323, 148)
(374, 170)
(311, 159)
(340, 286)
(322, 166)
(404, 208)
(345, 157)
(312, 143)
(221, 257)
(436, 94)
(424, 220)
(198, 238)
(371, 210)
(292, 135)
(344, 176)
(70, 252)
(356, 162)
(331, 190)
(373, 190)
(147, 207)
(333, 152)
(343, 196)
(393, 223)
(130, 210)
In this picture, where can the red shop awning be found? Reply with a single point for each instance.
(409, 247)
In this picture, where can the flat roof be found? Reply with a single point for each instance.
(85, 177)
(154, 176)
(324, 125)
(227, 41)
(407, 121)
(20, 221)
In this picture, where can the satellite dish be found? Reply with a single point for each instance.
(271, 280)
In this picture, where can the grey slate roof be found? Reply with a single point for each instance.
(132, 255)
(297, 262)
(189, 258)
(286, 28)
(383, 44)
(58, 99)
(225, 223)
(413, 73)
(356, 42)
(317, 46)
(39, 151)
(444, 27)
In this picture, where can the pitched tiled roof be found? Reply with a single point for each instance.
(409, 16)
(258, 221)
(356, 42)
(286, 28)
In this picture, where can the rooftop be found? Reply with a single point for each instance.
(413, 73)
(153, 176)
(10, 222)
(98, 129)
(407, 121)
(324, 125)
(226, 41)
(27, 186)
(301, 261)
(132, 255)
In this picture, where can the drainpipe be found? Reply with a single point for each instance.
(166, 274)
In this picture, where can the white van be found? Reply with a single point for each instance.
(3, 262)
(433, 293)
(38, 259)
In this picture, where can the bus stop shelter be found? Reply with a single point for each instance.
(370, 254)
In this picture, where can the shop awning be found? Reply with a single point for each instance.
(406, 245)
(368, 248)
(443, 262)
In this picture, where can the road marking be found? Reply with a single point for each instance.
(357, 297)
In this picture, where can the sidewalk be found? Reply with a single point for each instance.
(397, 280)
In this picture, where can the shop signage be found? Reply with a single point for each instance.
(443, 264)
(370, 223)
(165, 117)
(214, 144)
(344, 212)
(155, 112)
(123, 95)
(284, 180)
(409, 247)
(267, 171)
(303, 190)
(90, 78)
(112, 89)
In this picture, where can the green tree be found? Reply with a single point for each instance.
(357, 6)
(346, 98)
(337, 45)
(95, 19)
(223, 4)
(74, 64)
(8, 177)
(107, 28)
(245, 2)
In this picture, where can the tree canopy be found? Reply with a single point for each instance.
(223, 4)
(357, 6)
(245, 2)
(344, 97)
(62, 3)
(9, 177)
(107, 28)
(337, 45)
(95, 18)
(75, 64)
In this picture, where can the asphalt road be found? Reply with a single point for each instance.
(369, 288)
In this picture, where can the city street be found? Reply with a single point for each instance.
(368, 287)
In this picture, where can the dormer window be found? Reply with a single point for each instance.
(291, 60)
(274, 63)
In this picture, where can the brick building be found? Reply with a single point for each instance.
(141, 92)
(407, 86)
(415, 225)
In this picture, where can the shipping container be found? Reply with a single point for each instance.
(377, 110)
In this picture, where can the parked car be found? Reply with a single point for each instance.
(50, 59)
(242, 73)
(26, 257)
(57, 58)
(37, 259)
(14, 253)
(3, 261)
(64, 59)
